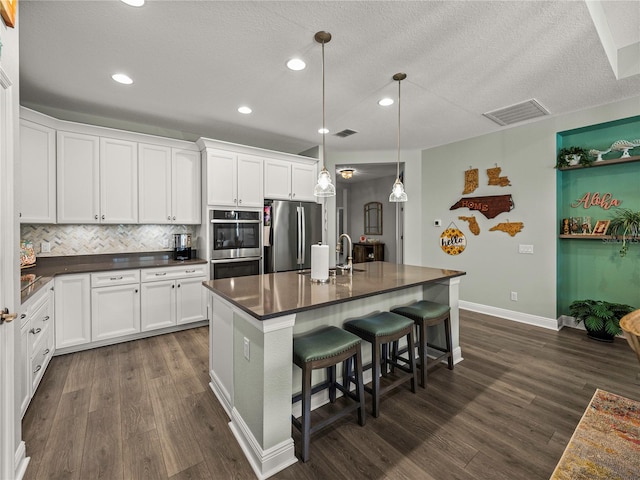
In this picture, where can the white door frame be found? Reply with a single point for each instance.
(9, 460)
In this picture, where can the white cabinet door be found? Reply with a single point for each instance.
(221, 178)
(185, 190)
(118, 181)
(115, 311)
(154, 184)
(191, 300)
(158, 305)
(72, 310)
(38, 173)
(78, 183)
(303, 180)
(250, 184)
(277, 180)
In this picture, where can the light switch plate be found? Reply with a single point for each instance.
(45, 247)
(525, 249)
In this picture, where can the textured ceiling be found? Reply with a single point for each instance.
(194, 63)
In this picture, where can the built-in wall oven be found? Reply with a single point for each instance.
(236, 243)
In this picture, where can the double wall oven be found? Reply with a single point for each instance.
(236, 243)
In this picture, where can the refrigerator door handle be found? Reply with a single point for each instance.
(299, 239)
(303, 247)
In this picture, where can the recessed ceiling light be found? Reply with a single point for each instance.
(323, 130)
(122, 78)
(385, 102)
(245, 110)
(133, 3)
(296, 64)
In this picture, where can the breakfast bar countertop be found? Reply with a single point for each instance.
(48, 267)
(277, 294)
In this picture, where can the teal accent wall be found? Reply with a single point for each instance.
(593, 268)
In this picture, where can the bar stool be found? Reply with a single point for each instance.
(428, 314)
(326, 348)
(380, 330)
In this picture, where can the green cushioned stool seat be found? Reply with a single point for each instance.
(325, 348)
(428, 314)
(380, 330)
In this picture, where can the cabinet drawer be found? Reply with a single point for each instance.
(169, 273)
(41, 358)
(40, 321)
(117, 277)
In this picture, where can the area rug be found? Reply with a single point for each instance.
(606, 442)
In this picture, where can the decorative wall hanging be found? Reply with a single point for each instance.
(512, 228)
(601, 227)
(496, 179)
(490, 206)
(473, 224)
(452, 240)
(471, 181)
(605, 201)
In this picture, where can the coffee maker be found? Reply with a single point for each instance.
(182, 246)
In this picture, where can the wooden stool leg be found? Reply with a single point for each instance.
(346, 373)
(422, 348)
(360, 388)
(331, 377)
(375, 381)
(447, 333)
(306, 412)
(412, 360)
(383, 361)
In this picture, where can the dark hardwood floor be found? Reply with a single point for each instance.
(143, 410)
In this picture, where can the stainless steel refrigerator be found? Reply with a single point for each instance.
(295, 226)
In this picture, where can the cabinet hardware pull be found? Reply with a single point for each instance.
(178, 285)
(96, 217)
(174, 217)
(190, 271)
(135, 291)
(161, 274)
(35, 331)
(102, 217)
(293, 195)
(169, 217)
(22, 316)
(240, 201)
(173, 286)
(46, 352)
(115, 278)
(37, 369)
(45, 318)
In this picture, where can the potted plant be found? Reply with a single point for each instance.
(568, 156)
(626, 223)
(601, 319)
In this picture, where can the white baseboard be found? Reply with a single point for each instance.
(264, 463)
(21, 461)
(549, 323)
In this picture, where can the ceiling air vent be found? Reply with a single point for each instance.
(345, 133)
(517, 113)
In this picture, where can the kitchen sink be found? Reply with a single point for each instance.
(332, 271)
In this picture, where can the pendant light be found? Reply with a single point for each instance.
(324, 188)
(397, 192)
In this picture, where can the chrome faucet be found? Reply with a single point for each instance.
(349, 265)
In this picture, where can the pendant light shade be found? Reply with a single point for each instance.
(397, 191)
(324, 187)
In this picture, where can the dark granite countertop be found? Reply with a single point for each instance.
(276, 294)
(48, 267)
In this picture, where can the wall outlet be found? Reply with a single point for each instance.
(45, 247)
(514, 296)
(247, 348)
(437, 222)
(166, 242)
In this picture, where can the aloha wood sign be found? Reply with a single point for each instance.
(605, 201)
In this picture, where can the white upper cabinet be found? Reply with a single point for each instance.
(185, 186)
(154, 183)
(118, 181)
(38, 173)
(285, 180)
(234, 180)
(78, 174)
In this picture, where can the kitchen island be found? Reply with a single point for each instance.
(252, 324)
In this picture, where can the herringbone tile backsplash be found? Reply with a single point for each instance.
(97, 239)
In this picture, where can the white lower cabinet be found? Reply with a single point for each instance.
(36, 344)
(115, 304)
(73, 309)
(172, 296)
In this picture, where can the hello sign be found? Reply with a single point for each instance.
(588, 200)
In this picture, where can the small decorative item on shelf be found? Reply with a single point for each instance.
(565, 228)
(574, 225)
(625, 222)
(27, 254)
(570, 156)
(586, 225)
(598, 154)
(600, 227)
(624, 146)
